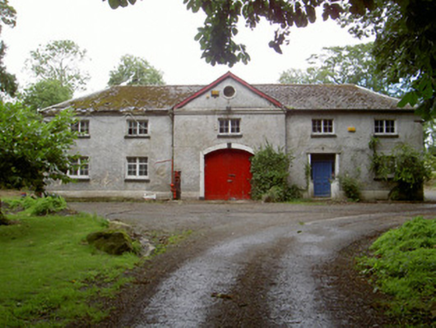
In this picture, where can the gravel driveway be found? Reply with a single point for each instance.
(255, 265)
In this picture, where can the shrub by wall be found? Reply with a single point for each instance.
(270, 171)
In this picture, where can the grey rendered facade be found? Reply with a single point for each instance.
(325, 126)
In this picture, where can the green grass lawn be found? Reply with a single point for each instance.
(50, 277)
(403, 265)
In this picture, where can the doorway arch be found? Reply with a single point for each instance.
(225, 172)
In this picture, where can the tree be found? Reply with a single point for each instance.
(59, 60)
(216, 37)
(135, 71)
(312, 75)
(32, 150)
(405, 33)
(46, 93)
(339, 65)
(404, 47)
(8, 81)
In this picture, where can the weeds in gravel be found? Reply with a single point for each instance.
(403, 264)
(162, 241)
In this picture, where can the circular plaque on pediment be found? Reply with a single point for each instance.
(229, 91)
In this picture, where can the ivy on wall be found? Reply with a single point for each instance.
(405, 166)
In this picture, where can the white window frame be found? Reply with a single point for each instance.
(135, 167)
(82, 170)
(229, 126)
(385, 127)
(323, 126)
(82, 127)
(136, 128)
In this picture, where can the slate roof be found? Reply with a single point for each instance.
(291, 96)
(327, 97)
(129, 98)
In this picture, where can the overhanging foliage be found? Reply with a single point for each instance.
(31, 150)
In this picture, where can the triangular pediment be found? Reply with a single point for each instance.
(228, 91)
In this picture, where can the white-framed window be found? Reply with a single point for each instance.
(137, 127)
(384, 127)
(322, 126)
(79, 168)
(230, 126)
(137, 167)
(82, 127)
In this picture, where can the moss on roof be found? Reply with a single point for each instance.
(295, 96)
(132, 98)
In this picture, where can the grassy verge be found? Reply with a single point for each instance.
(50, 277)
(403, 265)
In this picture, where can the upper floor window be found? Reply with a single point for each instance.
(137, 127)
(82, 127)
(322, 126)
(230, 126)
(79, 168)
(137, 167)
(384, 127)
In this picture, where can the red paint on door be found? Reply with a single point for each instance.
(227, 174)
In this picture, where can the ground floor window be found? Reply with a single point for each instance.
(79, 168)
(137, 167)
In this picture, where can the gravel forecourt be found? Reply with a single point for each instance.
(251, 264)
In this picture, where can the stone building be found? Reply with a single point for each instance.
(196, 141)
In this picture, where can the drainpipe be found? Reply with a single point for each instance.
(286, 127)
(173, 187)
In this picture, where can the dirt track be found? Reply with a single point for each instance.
(255, 265)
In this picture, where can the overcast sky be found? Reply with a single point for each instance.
(162, 32)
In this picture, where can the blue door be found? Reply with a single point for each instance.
(321, 174)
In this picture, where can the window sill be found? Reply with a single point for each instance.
(137, 136)
(230, 135)
(323, 135)
(133, 179)
(80, 179)
(84, 136)
(386, 135)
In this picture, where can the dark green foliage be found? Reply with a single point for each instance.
(342, 65)
(216, 36)
(46, 93)
(351, 187)
(406, 166)
(293, 192)
(38, 206)
(404, 265)
(270, 171)
(404, 30)
(135, 71)
(31, 150)
(8, 81)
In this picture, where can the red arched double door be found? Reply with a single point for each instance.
(227, 174)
